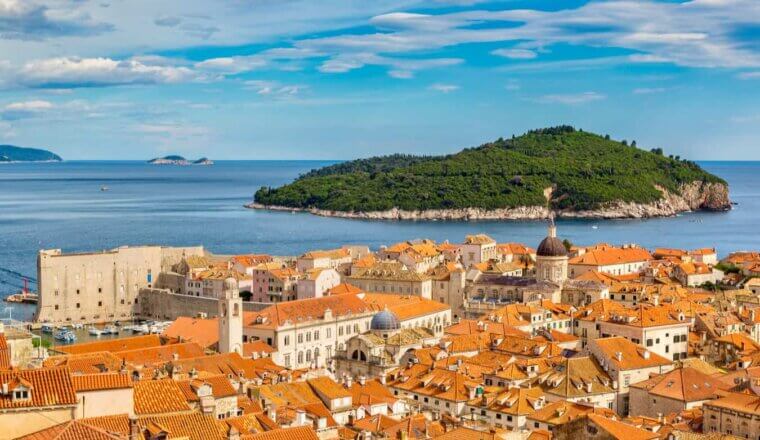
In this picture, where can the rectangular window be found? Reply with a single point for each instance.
(649, 342)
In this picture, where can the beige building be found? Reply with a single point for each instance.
(734, 414)
(477, 249)
(626, 363)
(612, 260)
(100, 286)
(651, 327)
(316, 283)
(678, 390)
(103, 394)
(392, 277)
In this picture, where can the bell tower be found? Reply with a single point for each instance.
(230, 318)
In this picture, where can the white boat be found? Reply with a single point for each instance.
(595, 227)
(47, 328)
(95, 331)
(78, 326)
(143, 328)
(111, 330)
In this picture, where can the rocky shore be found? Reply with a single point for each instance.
(694, 196)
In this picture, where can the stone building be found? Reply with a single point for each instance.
(100, 286)
(551, 258)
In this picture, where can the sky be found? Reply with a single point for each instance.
(330, 79)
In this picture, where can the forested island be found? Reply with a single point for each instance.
(559, 170)
(11, 153)
(179, 160)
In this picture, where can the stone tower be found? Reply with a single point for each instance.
(230, 319)
(551, 258)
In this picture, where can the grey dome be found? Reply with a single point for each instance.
(551, 247)
(384, 320)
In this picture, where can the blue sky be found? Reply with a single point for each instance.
(328, 79)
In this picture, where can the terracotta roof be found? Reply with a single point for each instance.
(288, 393)
(415, 427)
(204, 332)
(162, 354)
(740, 402)
(684, 384)
(251, 260)
(333, 254)
(229, 363)
(644, 315)
(611, 256)
(371, 393)
(514, 401)
(632, 356)
(561, 412)
(49, 387)
(478, 239)
(5, 355)
(306, 309)
(403, 306)
(440, 383)
(73, 430)
(465, 433)
(101, 381)
(328, 388)
(258, 346)
(576, 377)
(299, 433)
(220, 387)
(620, 430)
(159, 396)
(344, 288)
(86, 363)
(112, 345)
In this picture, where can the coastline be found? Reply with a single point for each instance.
(695, 196)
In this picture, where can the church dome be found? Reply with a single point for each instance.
(551, 247)
(385, 320)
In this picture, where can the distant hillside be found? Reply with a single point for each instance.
(175, 159)
(578, 170)
(10, 153)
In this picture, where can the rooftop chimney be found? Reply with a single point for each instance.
(619, 355)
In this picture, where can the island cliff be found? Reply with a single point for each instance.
(559, 170)
(10, 153)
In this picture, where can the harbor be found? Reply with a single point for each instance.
(78, 333)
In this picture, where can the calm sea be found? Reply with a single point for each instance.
(61, 205)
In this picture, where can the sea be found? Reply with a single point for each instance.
(64, 205)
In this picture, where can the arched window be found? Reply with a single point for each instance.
(308, 355)
(300, 357)
(236, 310)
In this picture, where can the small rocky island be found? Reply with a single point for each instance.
(558, 171)
(179, 160)
(11, 153)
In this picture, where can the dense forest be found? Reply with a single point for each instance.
(586, 170)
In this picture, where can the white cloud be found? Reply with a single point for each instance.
(444, 88)
(749, 75)
(273, 88)
(94, 72)
(24, 109)
(571, 98)
(518, 54)
(232, 65)
(401, 74)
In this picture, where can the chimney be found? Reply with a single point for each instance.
(619, 356)
(382, 379)
(300, 417)
(362, 380)
(272, 413)
(134, 429)
(234, 434)
(655, 299)
(175, 356)
(645, 354)
(349, 381)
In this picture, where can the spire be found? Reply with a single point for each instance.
(552, 227)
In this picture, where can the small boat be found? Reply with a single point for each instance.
(143, 328)
(78, 326)
(65, 336)
(94, 331)
(595, 227)
(104, 188)
(47, 328)
(111, 330)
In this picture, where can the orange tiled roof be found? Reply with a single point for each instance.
(371, 393)
(632, 356)
(685, 384)
(298, 433)
(303, 309)
(328, 388)
(333, 254)
(561, 412)
(344, 288)
(440, 383)
(229, 363)
(643, 315)
(611, 256)
(49, 387)
(86, 363)
(158, 397)
(185, 426)
(740, 402)
(100, 382)
(73, 430)
(5, 355)
(620, 430)
(204, 332)
(478, 239)
(258, 346)
(403, 306)
(220, 387)
(112, 345)
(251, 260)
(161, 355)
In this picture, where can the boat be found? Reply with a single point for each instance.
(104, 188)
(65, 336)
(94, 331)
(47, 328)
(595, 227)
(142, 328)
(111, 330)
(78, 326)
